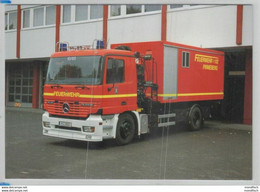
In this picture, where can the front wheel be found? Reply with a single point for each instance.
(125, 129)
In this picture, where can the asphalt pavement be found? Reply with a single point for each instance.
(220, 151)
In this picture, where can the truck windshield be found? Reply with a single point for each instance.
(75, 70)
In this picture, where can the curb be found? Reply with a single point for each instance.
(30, 110)
(225, 125)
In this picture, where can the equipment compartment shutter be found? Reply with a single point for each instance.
(170, 69)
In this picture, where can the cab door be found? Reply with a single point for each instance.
(117, 85)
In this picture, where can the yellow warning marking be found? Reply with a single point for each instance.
(190, 94)
(90, 96)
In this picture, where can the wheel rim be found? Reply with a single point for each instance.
(125, 129)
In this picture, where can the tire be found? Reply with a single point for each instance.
(125, 129)
(195, 118)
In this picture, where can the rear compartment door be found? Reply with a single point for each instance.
(170, 71)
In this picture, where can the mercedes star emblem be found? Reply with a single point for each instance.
(66, 107)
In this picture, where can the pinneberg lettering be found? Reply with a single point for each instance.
(210, 67)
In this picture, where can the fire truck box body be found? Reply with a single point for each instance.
(93, 95)
(183, 73)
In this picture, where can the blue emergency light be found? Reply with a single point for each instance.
(63, 47)
(100, 44)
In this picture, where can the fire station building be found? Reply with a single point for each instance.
(32, 33)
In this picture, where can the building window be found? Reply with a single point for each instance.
(96, 11)
(12, 23)
(38, 17)
(81, 12)
(6, 21)
(186, 59)
(115, 71)
(148, 8)
(132, 9)
(26, 18)
(173, 6)
(66, 18)
(50, 15)
(115, 10)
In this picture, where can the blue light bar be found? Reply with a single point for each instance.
(100, 44)
(5, 1)
(63, 47)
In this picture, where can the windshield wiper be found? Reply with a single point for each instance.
(82, 87)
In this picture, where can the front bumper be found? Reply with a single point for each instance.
(103, 128)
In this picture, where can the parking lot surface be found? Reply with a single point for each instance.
(220, 151)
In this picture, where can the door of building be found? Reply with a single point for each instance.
(19, 84)
(235, 98)
(233, 103)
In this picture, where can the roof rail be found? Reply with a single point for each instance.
(123, 47)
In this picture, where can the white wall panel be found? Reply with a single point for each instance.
(247, 33)
(10, 45)
(206, 27)
(36, 43)
(81, 33)
(135, 29)
(10, 7)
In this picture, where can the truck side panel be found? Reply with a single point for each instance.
(199, 75)
(203, 79)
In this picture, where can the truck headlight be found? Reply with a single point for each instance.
(88, 129)
(46, 124)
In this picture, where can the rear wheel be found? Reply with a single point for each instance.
(195, 118)
(125, 129)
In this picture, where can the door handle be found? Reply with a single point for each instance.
(123, 103)
(116, 90)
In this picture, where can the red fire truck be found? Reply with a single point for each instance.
(98, 94)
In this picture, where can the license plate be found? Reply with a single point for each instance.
(65, 124)
(88, 136)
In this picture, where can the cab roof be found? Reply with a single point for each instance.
(101, 52)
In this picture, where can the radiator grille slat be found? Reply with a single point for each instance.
(75, 108)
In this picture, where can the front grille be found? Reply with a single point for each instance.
(75, 109)
(68, 128)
